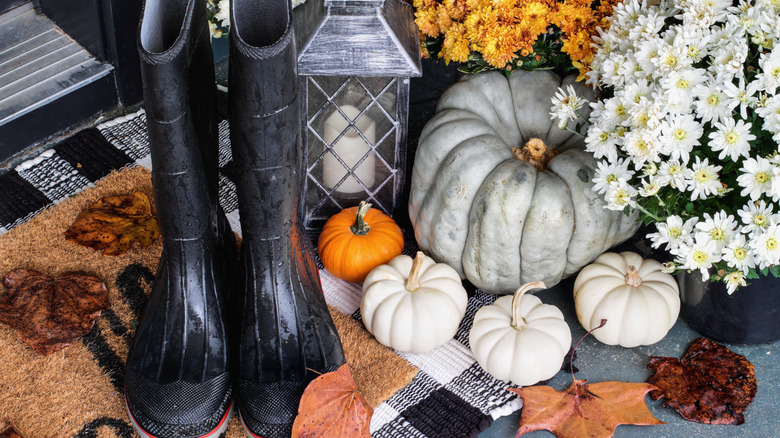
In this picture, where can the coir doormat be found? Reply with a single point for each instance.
(78, 391)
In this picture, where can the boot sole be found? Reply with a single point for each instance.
(221, 427)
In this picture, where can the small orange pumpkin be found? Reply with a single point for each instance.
(356, 240)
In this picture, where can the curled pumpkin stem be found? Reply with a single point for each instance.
(413, 281)
(632, 277)
(360, 227)
(518, 322)
(535, 153)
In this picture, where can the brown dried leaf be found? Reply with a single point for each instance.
(10, 432)
(113, 223)
(710, 384)
(332, 407)
(50, 313)
(584, 410)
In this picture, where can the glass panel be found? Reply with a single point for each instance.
(375, 85)
(351, 144)
(329, 84)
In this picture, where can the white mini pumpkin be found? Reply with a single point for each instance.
(413, 305)
(639, 301)
(520, 339)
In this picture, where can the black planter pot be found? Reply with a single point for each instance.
(751, 315)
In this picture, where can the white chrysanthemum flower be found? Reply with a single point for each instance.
(610, 70)
(767, 246)
(704, 181)
(719, 228)
(770, 112)
(615, 112)
(602, 143)
(734, 280)
(741, 95)
(646, 51)
(645, 114)
(679, 135)
(738, 254)
(671, 57)
(709, 103)
(650, 187)
(223, 16)
(642, 146)
(770, 70)
(732, 138)
(756, 216)
(668, 267)
(610, 172)
(678, 87)
(698, 256)
(729, 61)
(619, 195)
(565, 105)
(756, 178)
(677, 173)
(673, 232)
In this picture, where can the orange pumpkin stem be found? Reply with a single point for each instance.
(632, 277)
(360, 227)
(413, 283)
(536, 153)
(518, 322)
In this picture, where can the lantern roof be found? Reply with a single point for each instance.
(357, 38)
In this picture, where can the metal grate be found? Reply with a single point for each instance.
(352, 131)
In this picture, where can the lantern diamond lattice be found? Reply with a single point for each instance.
(354, 64)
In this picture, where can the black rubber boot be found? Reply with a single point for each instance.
(178, 381)
(287, 336)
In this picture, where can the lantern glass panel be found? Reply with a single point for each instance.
(352, 133)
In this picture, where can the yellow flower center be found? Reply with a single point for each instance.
(702, 176)
(771, 244)
(762, 177)
(713, 100)
(680, 134)
(699, 256)
(604, 136)
(740, 253)
(682, 84)
(670, 61)
(675, 232)
(759, 220)
(731, 137)
(620, 110)
(611, 178)
(717, 234)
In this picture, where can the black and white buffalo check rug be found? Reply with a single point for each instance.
(451, 395)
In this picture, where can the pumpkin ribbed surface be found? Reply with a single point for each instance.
(351, 256)
(501, 194)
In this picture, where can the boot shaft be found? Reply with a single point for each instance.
(180, 104)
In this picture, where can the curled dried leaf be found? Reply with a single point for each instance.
(709, 384)
(114, 223)
(50, 313)
(332, 407)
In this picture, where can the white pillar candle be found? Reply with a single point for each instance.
(350, 147)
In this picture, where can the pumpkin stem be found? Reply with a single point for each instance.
(518, 322)
(536, 153)
(413, 283)
(360, 227)
(632, 277)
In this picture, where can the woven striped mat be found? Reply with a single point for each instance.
(449, 396)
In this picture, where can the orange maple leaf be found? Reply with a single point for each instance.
(584, 410)
(332, 407)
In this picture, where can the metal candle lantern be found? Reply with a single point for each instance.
(355, 58)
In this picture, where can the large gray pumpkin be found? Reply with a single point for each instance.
(495, 218)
